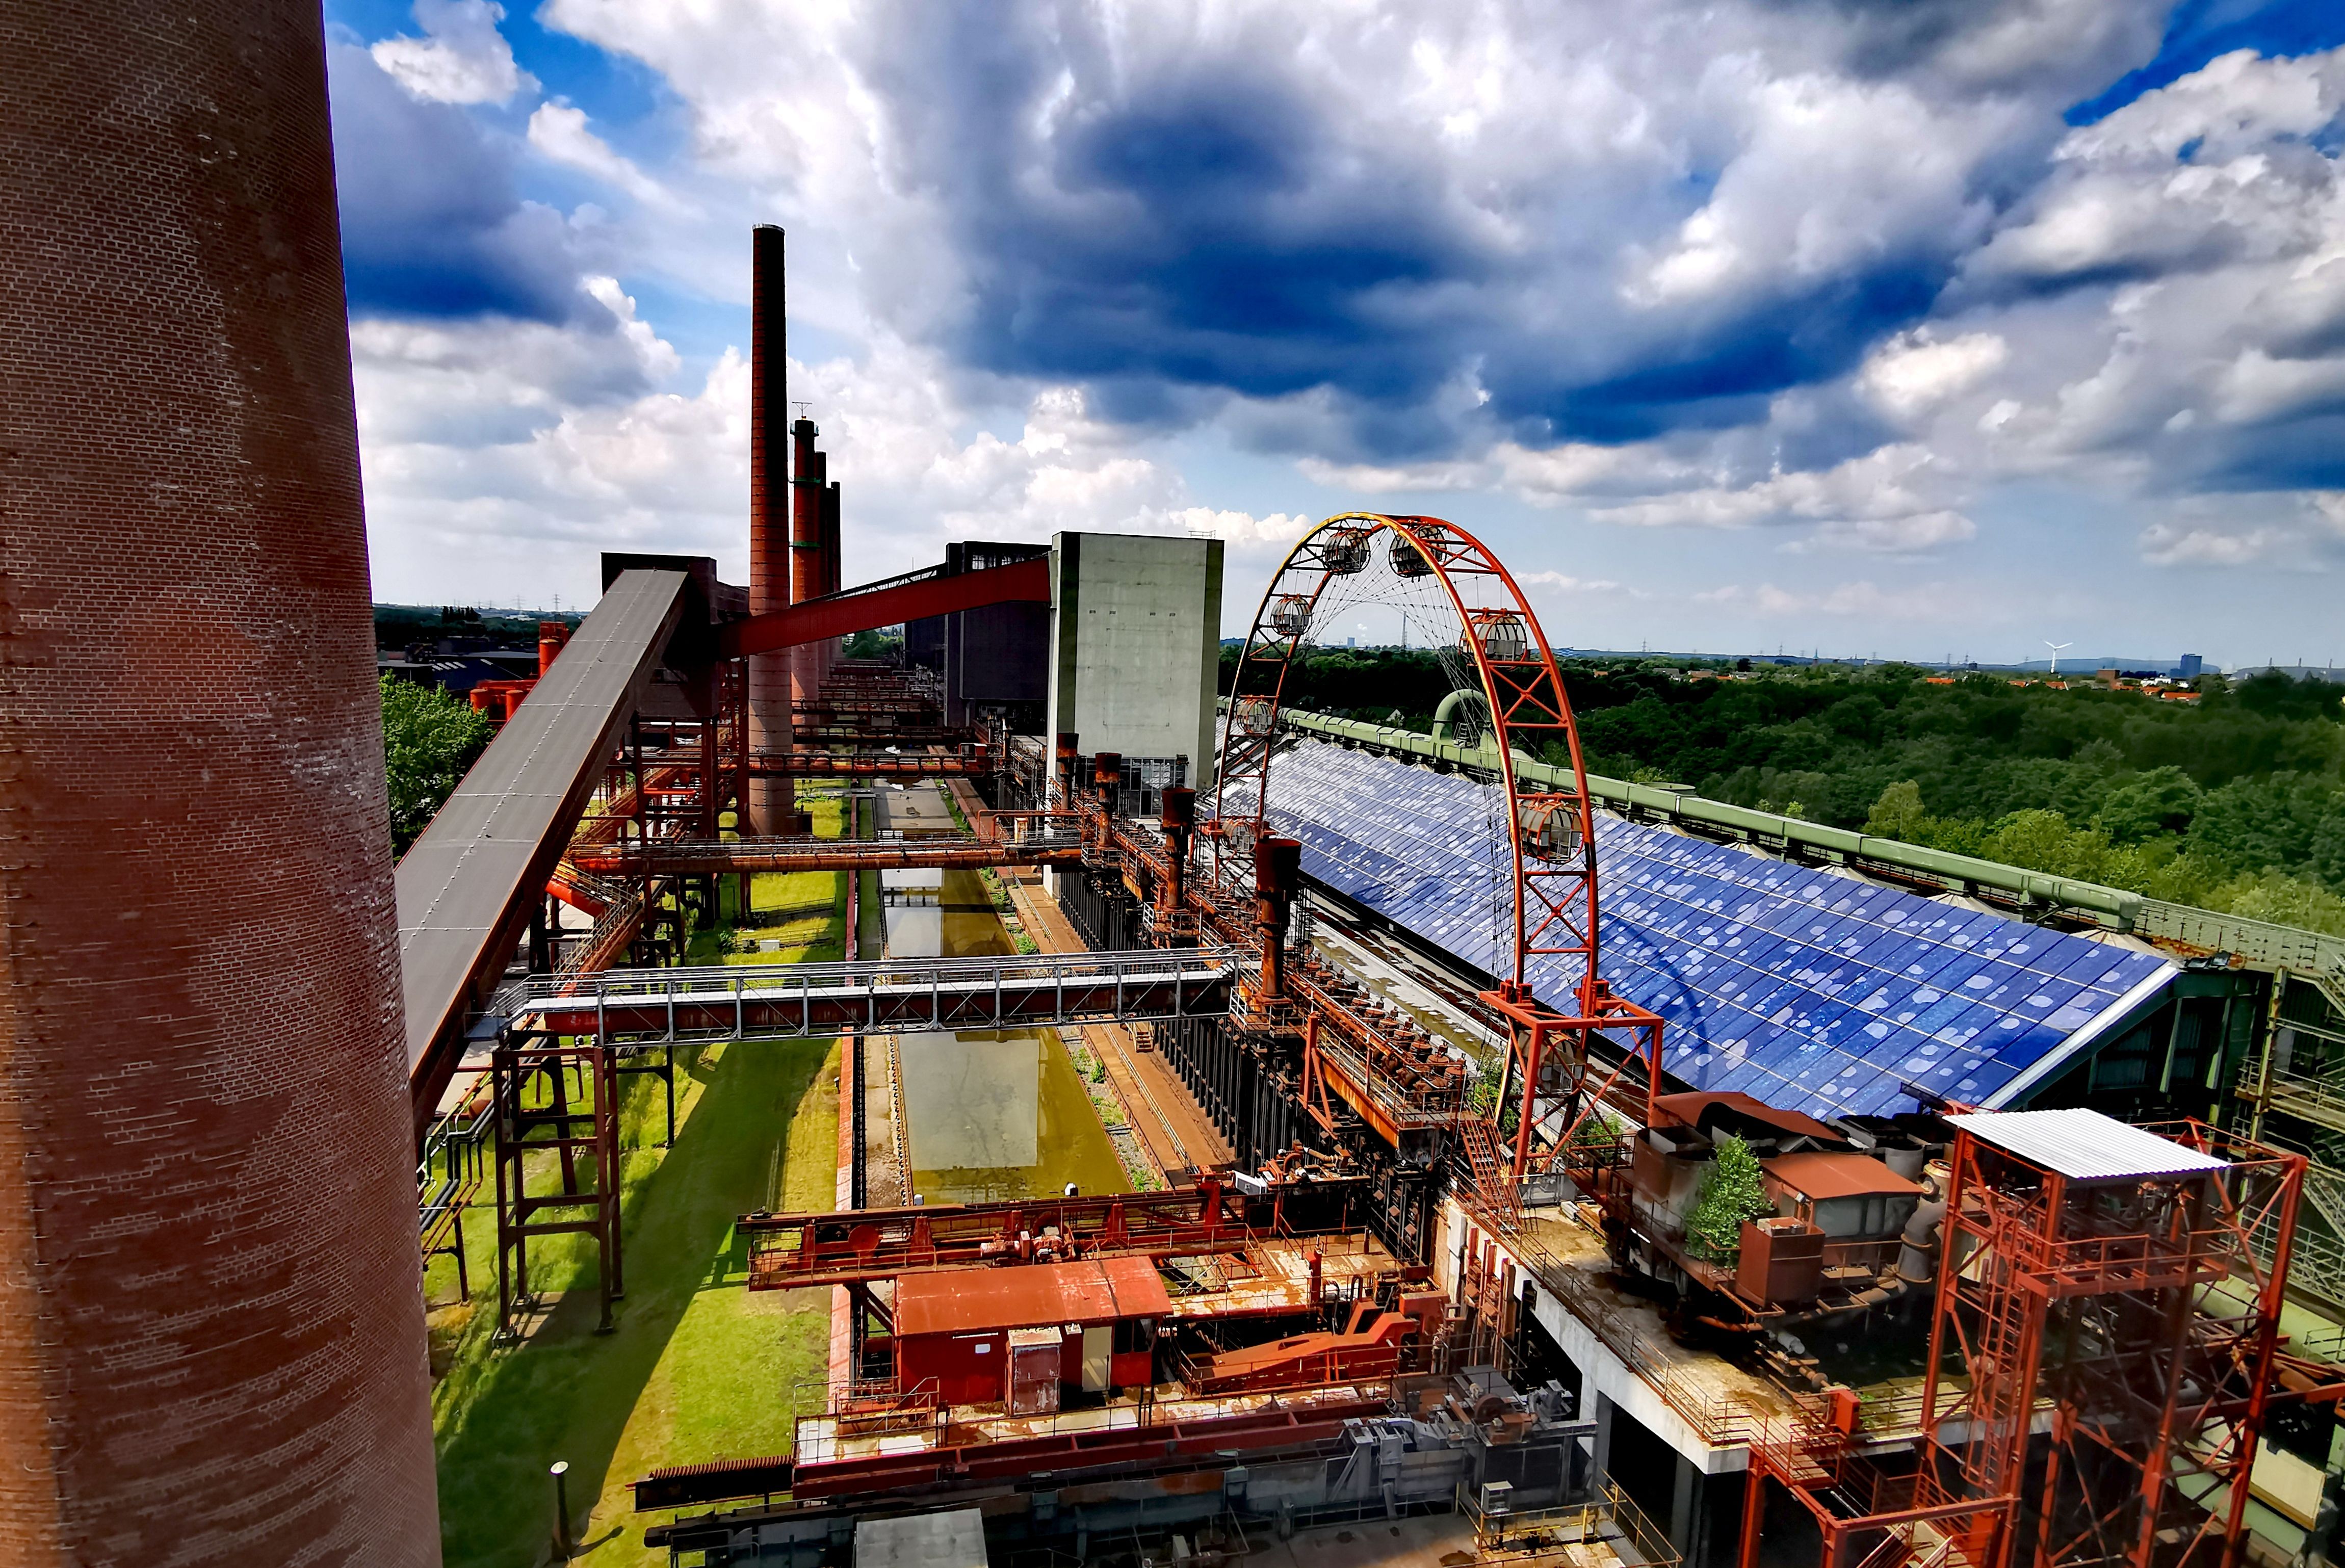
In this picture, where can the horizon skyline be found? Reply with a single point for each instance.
(1860, 325)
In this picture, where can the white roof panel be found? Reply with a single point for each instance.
(2085, 1145)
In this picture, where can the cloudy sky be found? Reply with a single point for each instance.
(1910, 326)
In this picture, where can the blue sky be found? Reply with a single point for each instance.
(1908, 327)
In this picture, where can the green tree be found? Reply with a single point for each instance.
(2162, 800)
(2251, 824)
(429, 739)
(1899, 814)
(2283, 900)
(1731, 1193)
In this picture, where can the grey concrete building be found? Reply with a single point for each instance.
(1135, 645)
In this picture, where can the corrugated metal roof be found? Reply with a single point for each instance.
(1029, 1295)
(1810, 990)
(2084, 1145)
(1829, 1175)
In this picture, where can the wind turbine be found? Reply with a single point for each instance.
(2055, 648)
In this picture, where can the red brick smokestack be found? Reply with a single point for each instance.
(773, 804)
(831, 582)
(806, 549)
(211, 1334)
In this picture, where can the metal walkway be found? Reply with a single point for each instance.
(942, 852)
(890, 996)
(467, 886)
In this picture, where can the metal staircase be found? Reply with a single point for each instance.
(1494, 1186)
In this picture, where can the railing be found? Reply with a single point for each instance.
(798, 1000)
(453, 1165)
(919, 1419)
(1503, 1533)
(1406, 1106)
(2318, 1101)
(1721, 1422)
(613, 931)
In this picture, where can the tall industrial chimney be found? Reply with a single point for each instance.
(831, 581)
(806, 549)
(772, 803)
(211, 1324)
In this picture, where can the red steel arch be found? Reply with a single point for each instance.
(1550, 832)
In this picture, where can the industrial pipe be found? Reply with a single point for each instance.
(1107, 778)
(551, 637)
(1445, 718)
(1180, 823)
(1277, 870)
(1066, 770)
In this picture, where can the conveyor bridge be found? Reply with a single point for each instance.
(889, 995)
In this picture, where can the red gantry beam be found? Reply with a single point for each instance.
(789, 1251)
(844, 614)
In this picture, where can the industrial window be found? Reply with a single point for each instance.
(1134, 1335)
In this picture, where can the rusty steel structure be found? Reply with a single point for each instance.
(1499, 654)
(2138, 1302)
(1372, 1084)
(1374, 1088)
(792, 1251)
(2156, 1395)
(2119, 1287)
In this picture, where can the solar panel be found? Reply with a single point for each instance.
(1812, 989)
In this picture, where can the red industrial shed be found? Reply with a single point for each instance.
(955, 1328)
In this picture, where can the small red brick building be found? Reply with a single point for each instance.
(960, 1330)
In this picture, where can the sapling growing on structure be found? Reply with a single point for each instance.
(1732, 1192)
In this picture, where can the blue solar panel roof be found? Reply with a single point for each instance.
(1812, 990)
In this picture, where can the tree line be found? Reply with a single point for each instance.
(2234, 802)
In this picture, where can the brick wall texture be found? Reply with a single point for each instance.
(211, 1342)
(773, 802)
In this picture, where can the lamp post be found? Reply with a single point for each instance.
(563, 1544)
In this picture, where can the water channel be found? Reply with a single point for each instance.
(988, 1113)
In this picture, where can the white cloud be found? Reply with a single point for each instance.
(461, 59)
(1863, 600)
(2165, 544)
(1914, 371)
(2305, 531)
(561, 133)
(1892, 498)
(1241, 529)
(1831, 174)
(1562, 582)
(1394, 479)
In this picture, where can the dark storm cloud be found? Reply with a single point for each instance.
(1195, 232)
(1202, 218)
(432, 223)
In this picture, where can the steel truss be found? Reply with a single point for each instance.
(557, 1159)
(2144, 1312)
